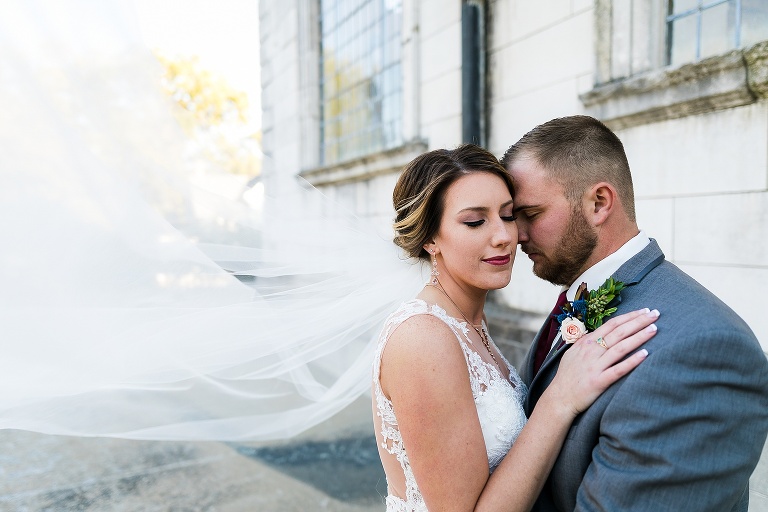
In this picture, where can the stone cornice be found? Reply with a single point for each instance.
(366, 167)
(756, 58)
(736, 78)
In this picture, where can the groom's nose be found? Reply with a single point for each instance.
(522, 232)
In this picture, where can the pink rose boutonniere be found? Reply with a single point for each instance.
(572, 329)
(588, 309)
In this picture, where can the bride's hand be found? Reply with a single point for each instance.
(588, 368)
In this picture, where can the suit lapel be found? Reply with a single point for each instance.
(549, 361)
(527, 369)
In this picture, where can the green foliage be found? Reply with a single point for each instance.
(599, 302)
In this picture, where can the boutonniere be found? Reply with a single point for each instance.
(588, 309)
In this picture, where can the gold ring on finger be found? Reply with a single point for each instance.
(600, 341)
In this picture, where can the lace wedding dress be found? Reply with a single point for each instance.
(499, 402)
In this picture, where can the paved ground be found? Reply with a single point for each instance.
(334, 467)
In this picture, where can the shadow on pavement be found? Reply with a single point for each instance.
(347, 469)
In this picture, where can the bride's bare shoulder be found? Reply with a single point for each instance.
(422, 349)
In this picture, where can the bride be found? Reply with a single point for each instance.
(450, 424)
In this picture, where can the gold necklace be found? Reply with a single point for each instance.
(480, 332)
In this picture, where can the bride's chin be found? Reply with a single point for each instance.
(499, 282)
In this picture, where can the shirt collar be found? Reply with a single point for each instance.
(596, 275)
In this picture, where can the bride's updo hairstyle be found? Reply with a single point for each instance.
(419, 194)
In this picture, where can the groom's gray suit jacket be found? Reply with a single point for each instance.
(685, 429)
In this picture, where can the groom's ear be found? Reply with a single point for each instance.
(602, 200)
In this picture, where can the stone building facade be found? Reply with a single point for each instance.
(354, 89)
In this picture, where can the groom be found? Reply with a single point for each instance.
(685, 429)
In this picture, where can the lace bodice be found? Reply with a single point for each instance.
(499, 402)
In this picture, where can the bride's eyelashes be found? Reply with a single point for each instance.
(477, 223)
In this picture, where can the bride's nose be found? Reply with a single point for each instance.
(505, 233)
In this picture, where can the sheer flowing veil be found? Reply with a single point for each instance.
(142, 297)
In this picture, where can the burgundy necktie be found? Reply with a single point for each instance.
(548, 334)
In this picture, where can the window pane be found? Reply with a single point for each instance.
(754, 21)
(717, 30)
(679, 6)
(683, 40)
(362, 50)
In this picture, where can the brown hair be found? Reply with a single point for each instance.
(578, 151)
(419, 194)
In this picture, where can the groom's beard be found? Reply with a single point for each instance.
(573, 251)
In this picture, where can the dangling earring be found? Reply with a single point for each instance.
(435, 273)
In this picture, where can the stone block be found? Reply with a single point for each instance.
(286, 156)
(435, 15)
(719, 152)
(512, 117)
(444, 133)
(515, 20)
(287, 74)
(758, 502)
(441, 52)
(727, 229)
(584, 83)
(441, 97)
(375, 201)
(758, 485)
(559, 52)
(282, 23)
(346, 195)
(267, 118)
(580, 5)
(656, 217)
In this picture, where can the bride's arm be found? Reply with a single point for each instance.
(425, 375)
(580, 379)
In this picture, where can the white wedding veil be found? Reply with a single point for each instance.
(142, 296)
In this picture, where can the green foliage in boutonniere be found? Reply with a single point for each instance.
(589, 308)
(600, 303)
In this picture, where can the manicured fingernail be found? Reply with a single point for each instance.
(651, 328)
(643, 353)
(653, 313)
(645, 310)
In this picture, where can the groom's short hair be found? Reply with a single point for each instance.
(578, 151)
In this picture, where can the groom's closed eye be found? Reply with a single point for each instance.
(526, 213)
